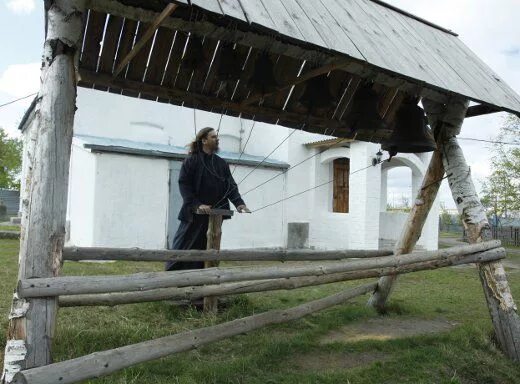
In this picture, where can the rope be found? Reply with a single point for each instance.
(312, 188)
(21, 98)
(245, 145)
(294, 166)
(259, 164)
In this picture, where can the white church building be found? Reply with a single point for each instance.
(305, 190)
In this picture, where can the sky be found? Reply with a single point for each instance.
(490, 28)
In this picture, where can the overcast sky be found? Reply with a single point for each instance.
(491, 28)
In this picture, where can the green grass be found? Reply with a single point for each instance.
(450, 234)
(9, 228)
(466, 354)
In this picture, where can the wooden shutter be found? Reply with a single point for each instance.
(341, 187)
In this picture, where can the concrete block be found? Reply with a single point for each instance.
(297, 235)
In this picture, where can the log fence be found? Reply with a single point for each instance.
(77, 285)
(40, 289)
(80, 291)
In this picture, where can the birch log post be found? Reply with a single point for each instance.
(31, 325)
(413, 226)
(500, 302)
(214, 235)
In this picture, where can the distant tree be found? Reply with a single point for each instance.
(501, 190)
(10, 161)
(445, 217)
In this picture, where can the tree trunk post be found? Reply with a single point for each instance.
(412, 228)
(502, 308)
(44, 204)
(214, 235)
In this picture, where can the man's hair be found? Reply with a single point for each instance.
(196, 145)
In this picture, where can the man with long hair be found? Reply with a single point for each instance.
(205, 182)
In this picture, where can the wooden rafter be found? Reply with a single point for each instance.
(260, 41)
(481, 109)
(307, 76)
(168, 10)
(313, 124)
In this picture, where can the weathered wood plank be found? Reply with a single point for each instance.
(103, 363)
(257, 15)
(159, 57)
(108, 53)
(137, 66)
(509, 97)
(125, 45)
(405, 31)
(196, 292)
(345, 15)
(95, 27)
(242, 88)
(185, 69)
(346, 100)
(199, 75)
(146, 32)
(32, 322)
(75, 285)
(438, 45)
(388, 28)
(233, 8)
(285, 72)
(175, 59)
(281, 19)
(258, 41)
(336, 35)
(304, 23)
(210, 5)
(226, 89)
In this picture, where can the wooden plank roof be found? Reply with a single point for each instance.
(351, 41)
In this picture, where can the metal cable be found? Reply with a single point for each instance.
(310, 189)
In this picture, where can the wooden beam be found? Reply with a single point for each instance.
(307, 76)
(257, 39)
(313, 124)
(136, 254)
(103, 363)
(168, 10)
(481, 109)
(196, 292)
(32, 322)
(413, 226)
(76, 285)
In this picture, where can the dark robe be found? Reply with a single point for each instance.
(203, 179)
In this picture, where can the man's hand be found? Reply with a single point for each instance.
(243, 209)
(203, 208)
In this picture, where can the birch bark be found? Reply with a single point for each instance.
(31, 325)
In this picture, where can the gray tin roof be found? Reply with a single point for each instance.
(129, 147)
